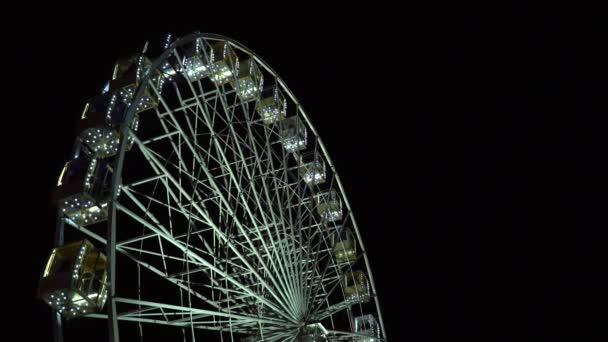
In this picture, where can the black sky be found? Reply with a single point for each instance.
(470, 142)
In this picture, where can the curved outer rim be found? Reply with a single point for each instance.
(116, 182)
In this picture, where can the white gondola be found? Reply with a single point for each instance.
(367, 326)
(272, 108)
(293, 134)
(222, 59)
(193, 66)
(82, 191)
(312, 168)
(345, 248)
(100, 122)
(356, 287)
(128, 75)
(74, 279)
(329, 206)
(248, 80)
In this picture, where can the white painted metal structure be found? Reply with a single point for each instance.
(235, 204)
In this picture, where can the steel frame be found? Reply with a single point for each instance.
(270, 257)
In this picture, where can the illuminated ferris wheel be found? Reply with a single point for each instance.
(202, 200)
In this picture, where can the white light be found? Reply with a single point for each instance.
(60, 181)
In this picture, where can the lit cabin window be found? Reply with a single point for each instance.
(367, 325)
(329, 206)
(127, 77)
(345, 249)
(106, 88)
(272, 108)
(312, 168)
(312, 333)
(193, 67)
(83, 190)
(293, 134)
(74, 279)
(356, 287)
(62, 174)
(167, 70)
(99, 127)
(166, 73)
(249, 80)
(222, 58)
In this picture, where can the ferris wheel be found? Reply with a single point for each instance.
(201, 200)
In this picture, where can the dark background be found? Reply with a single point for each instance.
(470, 140)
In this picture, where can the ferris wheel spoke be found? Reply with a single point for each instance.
(187, 214)
(172, 280)
(318, 281)
(175, 146)
(160, 313)
(161, 137)
(350, 335)
(186, 195)
(227, 145)
(290, 252)
(320, 294)
(193, 134)
(314, 289)
(85, 230)
(297, 238)
(164, 257)
(335, 283)
(146, 265)
(330, 271)
(320, 251)
(197, 258)
(272, 221)
(331, 310)
(246, 207)
(209, 252)
(285, 221)
(269, 204)
(160, 167)
(283, 336)
(142, 182)
(310, 270)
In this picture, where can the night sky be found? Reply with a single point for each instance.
(470, 142)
